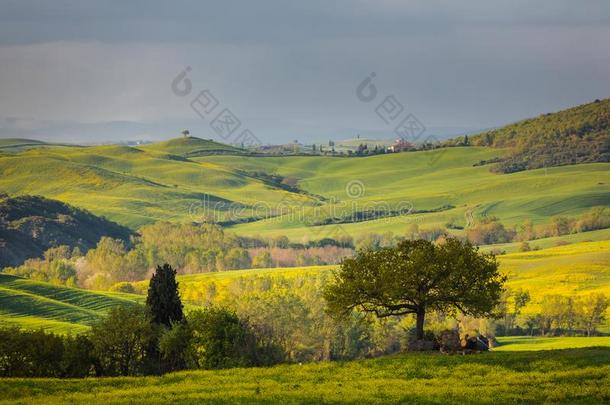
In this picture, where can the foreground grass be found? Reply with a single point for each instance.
(563, 376)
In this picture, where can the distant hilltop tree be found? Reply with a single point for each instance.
(186, 133)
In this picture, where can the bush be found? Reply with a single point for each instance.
(78, 359)
(262, 260)
(175, 347)
(30, 354)
(121, 340)
(489, 231)
(220, 339)
(123, 287)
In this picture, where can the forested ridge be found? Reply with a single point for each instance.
(29, 225)
(577, 135)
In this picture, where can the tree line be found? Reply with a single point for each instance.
(195, 248)
(187, 247)
(554, 315)
(265, 325)
(490, 230)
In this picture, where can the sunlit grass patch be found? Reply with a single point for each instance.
(565, 376)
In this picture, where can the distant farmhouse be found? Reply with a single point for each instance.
(401, 145)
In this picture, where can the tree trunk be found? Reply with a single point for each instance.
(419, 326)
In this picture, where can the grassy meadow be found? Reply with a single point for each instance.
(131, 186)
(576, 269)
(545, 243)
(559, 376)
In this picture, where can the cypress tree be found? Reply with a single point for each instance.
(163, 298)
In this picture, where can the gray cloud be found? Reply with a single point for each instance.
(289, 69)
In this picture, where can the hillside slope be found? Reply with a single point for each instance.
(32, 305)
(135, 186)
(442, 186)
(576, 135)
(192, 146)
(29, 225)
(11, 145)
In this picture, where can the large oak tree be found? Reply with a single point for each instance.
(416, 277)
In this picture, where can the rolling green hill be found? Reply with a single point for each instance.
(424, 181)
(132, 186)
(192, 146)
(32, 305)
(18, 144)
(303, 197)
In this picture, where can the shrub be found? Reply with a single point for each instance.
(175, 347)
(489, 231)
(78, 358)
(123, 287)
(121, 340)
(30, 354)
(220, 339)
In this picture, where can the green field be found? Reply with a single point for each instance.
(186, 178)
(562, 376)
(33, 305)
(188, 147)
(129, 185)
(529, 343)
(581, 268)
(545, 243)
(428, 181)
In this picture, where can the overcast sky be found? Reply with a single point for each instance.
(88, 71)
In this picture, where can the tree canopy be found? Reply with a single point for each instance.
(415, 277)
